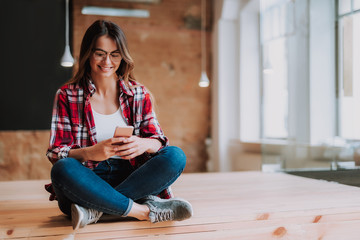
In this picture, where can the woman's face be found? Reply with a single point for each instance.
(105, 58)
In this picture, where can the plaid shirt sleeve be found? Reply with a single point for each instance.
(150, 127)
(61, 139)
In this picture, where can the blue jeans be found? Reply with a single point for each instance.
(114, 185)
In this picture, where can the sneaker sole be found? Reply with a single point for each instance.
(76, 216)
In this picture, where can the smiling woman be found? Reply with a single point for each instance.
(94, 171)
(105, 59)
(114, 38)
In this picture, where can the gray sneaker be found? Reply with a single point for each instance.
(80, 217)
(174, 209)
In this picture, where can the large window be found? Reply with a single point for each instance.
(277, 25)
(349, 68)
(298, 99)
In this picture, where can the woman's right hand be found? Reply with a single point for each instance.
(98, 152)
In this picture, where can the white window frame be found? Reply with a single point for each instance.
(236, 83)
(351, 134)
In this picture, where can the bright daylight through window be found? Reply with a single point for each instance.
(349, 70)
(277, 24)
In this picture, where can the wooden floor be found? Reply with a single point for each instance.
(246, 205)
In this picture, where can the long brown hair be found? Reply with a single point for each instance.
(97, 29)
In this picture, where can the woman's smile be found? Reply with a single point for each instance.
(106, 68)
(106, 59)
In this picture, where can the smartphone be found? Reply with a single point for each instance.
(123, 131)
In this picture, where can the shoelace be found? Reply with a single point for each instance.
(94, 215)
(163, 214)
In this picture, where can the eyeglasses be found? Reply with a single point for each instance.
(101, 55)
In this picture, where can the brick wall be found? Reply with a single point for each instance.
(22, 155)
(167, 53)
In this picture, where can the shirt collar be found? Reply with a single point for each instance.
(91, 87)
(124, 88)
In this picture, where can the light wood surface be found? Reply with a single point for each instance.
(236, 205)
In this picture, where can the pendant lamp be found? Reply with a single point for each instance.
(204, 80)
(67, 60)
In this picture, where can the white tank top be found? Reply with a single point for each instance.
(105, 124)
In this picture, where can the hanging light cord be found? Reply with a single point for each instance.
(67, 23)
(203, 41)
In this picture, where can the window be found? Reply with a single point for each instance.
(297, 82)
(348, 68)
(277, 24)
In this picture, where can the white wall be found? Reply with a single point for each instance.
(249, 72)
(322, 70)
(225, 107)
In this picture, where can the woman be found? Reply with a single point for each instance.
(95, 173)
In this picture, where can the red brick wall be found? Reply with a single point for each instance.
(167, 53)
(22, 155)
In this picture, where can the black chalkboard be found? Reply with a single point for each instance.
(32, 43)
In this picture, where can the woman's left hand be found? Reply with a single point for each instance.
(134, 146)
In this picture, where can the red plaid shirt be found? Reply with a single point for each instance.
(73, 125)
